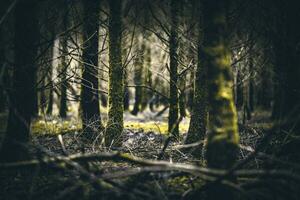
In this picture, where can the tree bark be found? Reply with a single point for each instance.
(89, 86)
(115, 125)
(64, 65)
(173, 121)
(222, 138)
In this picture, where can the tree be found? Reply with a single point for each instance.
(285, 37)
(197, 127)
(115, 125)
(222, 138)
(21, 104)
(64, 64)
(138, 77)
(173, 121)
(148, 94)
(51, 89)
(89, 85)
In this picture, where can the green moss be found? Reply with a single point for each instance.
(114, 126)
(153, 126)
(223, 137)
(54, 127)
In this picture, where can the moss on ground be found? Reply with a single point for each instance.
(57, 126)
(153, 126)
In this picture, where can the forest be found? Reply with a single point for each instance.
(150, 99)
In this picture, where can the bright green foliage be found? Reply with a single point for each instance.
(115, 125)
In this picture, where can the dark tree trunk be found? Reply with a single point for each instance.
(251, 85)
(49, 81)
(50, 95)
(197, 128)
(89, 87)
(126, 92)
(173, 121)
(115, 124)
(138, 79)
(147, 76)
(23, 90)
(64, 63)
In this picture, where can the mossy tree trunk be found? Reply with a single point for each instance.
(173, 123)
(115, 125)
(23, 89)
(223, 130)
(222, 138)
(89, 86)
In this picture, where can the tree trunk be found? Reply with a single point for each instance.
(138, 78)
(23, 89)
(173, 121)
(64, 65)
(50, 81)
(197, 128)
(223, 138)
(115, 125)
(89, 84)
(126, 92)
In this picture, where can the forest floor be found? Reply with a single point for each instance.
(144, 137)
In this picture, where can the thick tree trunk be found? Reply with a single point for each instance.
(23, 90)
(89, 87)
(223, 138)
(115, 125)
(173, 121)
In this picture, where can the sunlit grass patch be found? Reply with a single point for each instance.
(55, 126)
(154, 126)
(58, 126)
